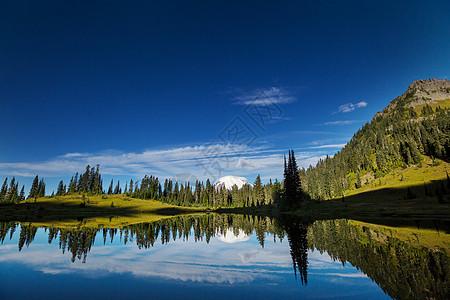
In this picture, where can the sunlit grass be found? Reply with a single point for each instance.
(411, 176)
(113, 211)
(389, 195)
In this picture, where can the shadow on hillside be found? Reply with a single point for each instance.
(430, 195)
(387, 205)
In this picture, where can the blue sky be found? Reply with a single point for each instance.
(156, 87)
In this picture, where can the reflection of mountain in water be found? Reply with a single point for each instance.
(402, 267)
(231, 237)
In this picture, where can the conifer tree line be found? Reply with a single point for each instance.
(390, 141)
(37, 188)
(10, 193)
(90, 182)
(149, 187)
(204, 193)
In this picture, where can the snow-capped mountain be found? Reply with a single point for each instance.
(229, 181)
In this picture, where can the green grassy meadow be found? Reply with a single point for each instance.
(111, 211)
(414, 191)
(404, 192)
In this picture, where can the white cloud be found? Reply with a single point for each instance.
(181, 163)
(242, 163)
(310, 161)
(328, 146)
(349, 107)
(262, 97)
(340, 123)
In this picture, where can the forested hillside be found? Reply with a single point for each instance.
(414, 124)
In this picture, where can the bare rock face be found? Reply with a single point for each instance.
(420, 92)
(428, 90)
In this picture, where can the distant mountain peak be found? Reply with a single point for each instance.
(419, 92)
(229, 181)
(428, 84)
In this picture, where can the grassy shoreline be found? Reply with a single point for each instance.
(95, 211)
(401, 193)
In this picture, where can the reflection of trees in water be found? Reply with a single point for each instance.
(78, 241)
(402, 270)
(201, 228)
(296, 231)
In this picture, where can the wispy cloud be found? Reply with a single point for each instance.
(184, 163)
(327, 146)
(273, 95)
(349, 107)
(340, 122)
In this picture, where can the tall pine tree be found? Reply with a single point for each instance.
(291, 191)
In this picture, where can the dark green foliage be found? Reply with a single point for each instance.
(34, 188)
(390, 141)
(4, 189)
(22, 194)
(205, 194)
(358, 181)
(292, 187)
(427, 111)
(258, 192)
(402, 270)
(130, 189)
(110, 189)
(61, 191)
(117, 189)
(10, 193)
(89, 182)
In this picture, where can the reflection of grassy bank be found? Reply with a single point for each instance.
(406, 263)
(95, 211)
(418, 236)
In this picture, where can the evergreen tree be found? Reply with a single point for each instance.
(130, 189)
(110, 189)
(41, 188)
(4, 190)
(22, 194)
(117, 189)
(34, 188)
(258, 191)
(74, 187)
(292, 186)
(61, 191)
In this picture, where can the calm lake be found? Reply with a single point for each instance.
(228, 256)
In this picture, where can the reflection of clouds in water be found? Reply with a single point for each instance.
(349, 275)
(230, 237)
(185, 261)
(216, 262)
(320, 261)
(246, 257)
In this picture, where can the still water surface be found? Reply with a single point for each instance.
(224, 257)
